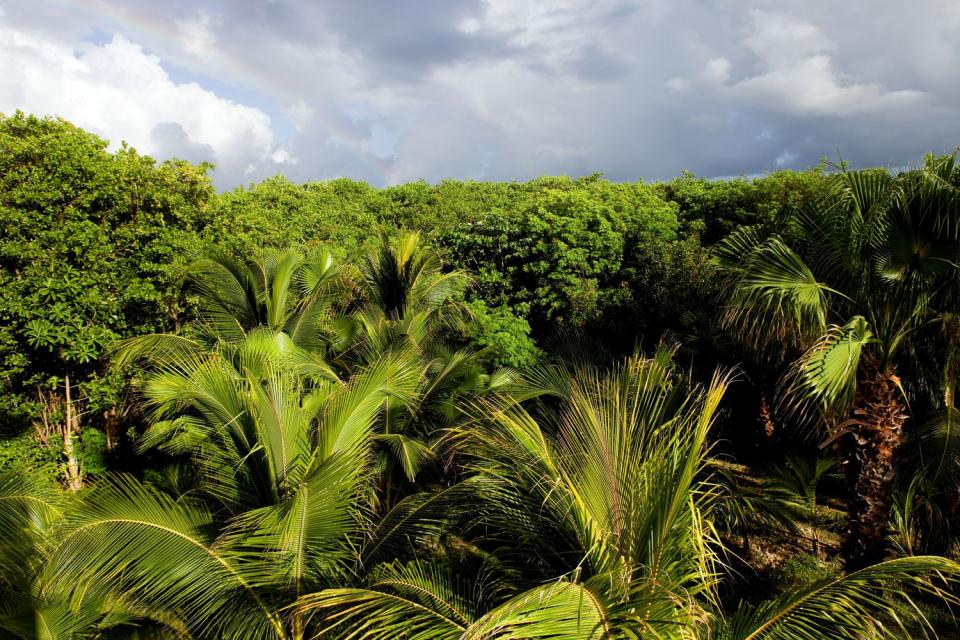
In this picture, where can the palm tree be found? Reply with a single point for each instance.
(406, 298)
(281, 452)
(408, 302)
(279, 443)
(291, 295)
(594, 522)
(402, 277)
(578, 507)
(290, 291)
(334, 319)
(875, 262)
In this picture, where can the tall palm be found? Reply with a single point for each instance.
(876, 260)
(290, 291)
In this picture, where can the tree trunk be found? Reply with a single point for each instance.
(876, 435)
(74, 474)
(111, 427)
(746, 547)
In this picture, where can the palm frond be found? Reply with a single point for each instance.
(348, 416)
(825, 376)
(230, 295)
(560, 610)
(413, 519)
(162, 348)
(619, 485)
(410, 452)
(158, 553)
(771, 294)
(29, 510)
(303, 541)
(853, 606)
(414, 601)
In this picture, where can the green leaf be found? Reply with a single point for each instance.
(560, 610)
(826, 375)
(158, 552)
(771, 292)
(849, 606)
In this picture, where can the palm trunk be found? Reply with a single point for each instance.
(878, 418)
(953, 491)
(74, 474)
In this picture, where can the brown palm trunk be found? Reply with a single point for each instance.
(871, 449)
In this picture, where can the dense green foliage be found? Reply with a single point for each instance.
(91, 242)
(423, 411)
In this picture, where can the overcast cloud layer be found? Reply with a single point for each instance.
(392, 90)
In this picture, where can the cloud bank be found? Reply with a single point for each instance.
(394, 91)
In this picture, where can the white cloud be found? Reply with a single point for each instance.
(282, 156)
(786, 158)
(122, 93)
(498, 88)
(470, 25)
(812, 86)
(717, 71)
(800, 78)
(300, 113)
(778, 38)
(951, 14)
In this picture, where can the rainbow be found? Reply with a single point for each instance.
(160, 35)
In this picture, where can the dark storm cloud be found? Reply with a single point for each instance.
(497, 89)
(402, 40)
(593, 63)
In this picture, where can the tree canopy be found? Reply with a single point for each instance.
(563, 408)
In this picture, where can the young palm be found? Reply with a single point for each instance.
(797, 484)
(592, 521)
(593, 516)
(408, 302)
(291, 294)
(289, 291)
(281, 452)
(407, 299)
(402, 276)
(876, 261)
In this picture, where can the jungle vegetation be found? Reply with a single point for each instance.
(563, 408)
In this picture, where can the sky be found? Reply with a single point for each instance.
(391, 91)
